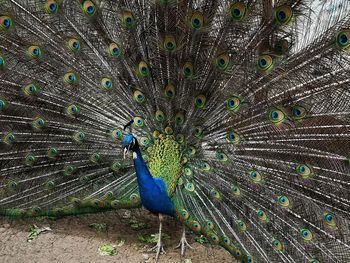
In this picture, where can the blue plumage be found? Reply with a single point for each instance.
(153, 191)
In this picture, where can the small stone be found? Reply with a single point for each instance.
(127, 214)
(6, 225)
(145, 256)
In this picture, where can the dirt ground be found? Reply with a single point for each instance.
(72, 239)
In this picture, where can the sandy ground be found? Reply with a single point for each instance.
(73, 240)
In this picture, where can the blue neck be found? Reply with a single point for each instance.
(144, 177)
(153, 192)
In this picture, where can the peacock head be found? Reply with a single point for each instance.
(130, 142)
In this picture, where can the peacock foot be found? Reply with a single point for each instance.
(183, 244)
(158, 249)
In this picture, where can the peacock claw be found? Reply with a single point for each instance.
(159, 249)
(183, 244)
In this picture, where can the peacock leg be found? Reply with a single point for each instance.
(183, 243)
(159, 247)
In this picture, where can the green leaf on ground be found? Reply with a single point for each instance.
(35, 231)
(136, 225)
(99, 227)
(107, 250)
(202, 239)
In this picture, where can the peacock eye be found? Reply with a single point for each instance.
(95, 158)
(169, 43)
(222, 61)
(262, 216)
(215, 194)
(187, 70)
(283, 14)
(255, 176)
(200, 101)
(52, 153)
(298, 112)
(277, 116)
(79, 136)
(39, 123)
(51, 7)
(72, 110)
(30, 89)
(160, 116)
(139, 97)
(115, 167)
(2, 104)
(242, 225)
(179, 118)
(233, 104)
(189, 187)
(180, 138)
(187, 171)
(196, 226)
(304, 171)
(5, 23)
(143, 69)
(205, 167)
(265, 63)
(227, 241)
(69, 170)
(222, 157)
(29, 159)
(184, 214)
(88, 7)
(106, 84)
(70, 78)
(238, 11)
(114, 50)
(138, 122)
(343, 39)
(169, 91)
(10, 138)
(34, 52)
(330, 220)
(197, 21)
(249, 259)
(135, 198)
(306, 234)
(233, 137)
(128, 20)
(145, 141)
(283, 201)
(197, 132)
(191, 151)
(277, 245)
(73, 44)
(235, 190)
(214, 238)
(117, 134)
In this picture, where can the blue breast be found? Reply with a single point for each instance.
(153, 191)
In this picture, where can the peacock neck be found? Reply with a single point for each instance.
(143, 175)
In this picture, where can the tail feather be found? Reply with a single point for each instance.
(255, 93)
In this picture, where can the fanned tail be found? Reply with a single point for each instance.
(254, 92)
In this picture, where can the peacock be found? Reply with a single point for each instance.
(231, 116)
